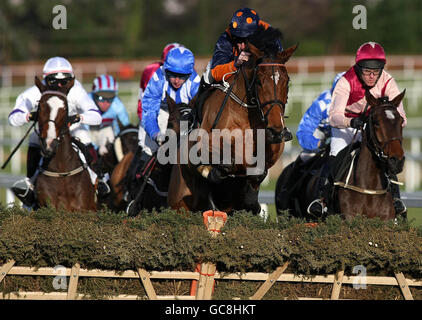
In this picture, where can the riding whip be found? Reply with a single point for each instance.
(17, 147)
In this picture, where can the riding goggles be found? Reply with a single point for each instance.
(181, 76)
(239, 39)
(53, 82)
(367, 72)
(104, 97)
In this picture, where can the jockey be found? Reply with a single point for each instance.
(230, 49)
(104, 94)
(57, 72)
(349, 103)
(149, 71)
(178, 78)
(314, 131)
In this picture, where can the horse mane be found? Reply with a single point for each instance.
(266, 40)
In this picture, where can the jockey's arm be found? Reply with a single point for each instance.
(85, 106)
(309, 125)
(223, 58)
(25, 103)
(121, 114)
(151, 102)
(338, 105)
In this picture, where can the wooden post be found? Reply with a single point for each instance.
(6, 268)
(272, 278)
(401, 280)
(214, 221)
(146, 281)
(338, 280)
(73, 283)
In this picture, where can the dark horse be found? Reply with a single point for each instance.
(362, 184)
(154, 193)
(63, 180)
(252, 104)
(114, 160)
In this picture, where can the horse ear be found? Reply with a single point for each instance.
(396, 101)
(40, 85)
(372, 101)
(286, 54)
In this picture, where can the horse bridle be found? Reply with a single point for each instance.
(373, 143)
(64, 128)
(252, 87)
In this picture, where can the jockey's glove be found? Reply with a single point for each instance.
(356, 123)
(74, 119)
(160, 138)
(33, 116)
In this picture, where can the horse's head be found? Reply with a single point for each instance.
(52, 117)
(178, 113)
(384, 131)
(268, 86)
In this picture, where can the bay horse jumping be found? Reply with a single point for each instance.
(63, 180)
(362, 186)
(251, 102)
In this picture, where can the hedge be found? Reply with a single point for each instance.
(167, 240)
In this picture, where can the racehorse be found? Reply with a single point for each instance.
(251, 103)
(361, 187)
(114, 162)
(154, 193)
(63, 180)
(126, 141)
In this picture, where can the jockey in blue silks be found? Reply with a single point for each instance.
(104, 94)
(314, 130)
(176, 77)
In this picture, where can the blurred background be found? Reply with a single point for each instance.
(121, 37)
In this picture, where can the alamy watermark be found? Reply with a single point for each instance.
(60, 281)
(360, 280)
(60, 20)
(359, 21)
(199, 153)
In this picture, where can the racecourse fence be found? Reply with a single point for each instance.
(309, 77)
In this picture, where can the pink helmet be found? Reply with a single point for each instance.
(370, 51)
(167, 48)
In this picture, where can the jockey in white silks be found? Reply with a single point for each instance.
(57, 72)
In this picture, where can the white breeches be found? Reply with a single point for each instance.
(341, 138)
(145, 141)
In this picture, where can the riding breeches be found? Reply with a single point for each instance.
(145, 141)
(100, 138)
(341, 138)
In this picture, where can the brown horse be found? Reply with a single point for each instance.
(251, 104)
(381, 154)
(361, 171)
(63, 180)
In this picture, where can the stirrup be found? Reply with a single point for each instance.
(287, 135)
(317, 207)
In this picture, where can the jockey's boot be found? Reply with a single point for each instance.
(24, 189)
(399, 205)
(319, 206)
(134, 173)
(103, 188)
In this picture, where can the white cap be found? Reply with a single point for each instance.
(57, 65)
